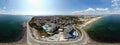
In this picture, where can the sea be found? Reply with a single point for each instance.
(11, 28)
(105, 29)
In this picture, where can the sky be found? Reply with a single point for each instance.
(59, 7)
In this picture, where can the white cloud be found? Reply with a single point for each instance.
(92, 11)
(115, 0)
(33, 12)
(86, 11)
(102, 9)
(77, 12)
(2, 11)
(116, 4)
(42, 12)
(89, 10)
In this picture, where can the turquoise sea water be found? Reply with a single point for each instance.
(11, 28)
(106, 29)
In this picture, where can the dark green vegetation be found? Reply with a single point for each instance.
(106, 29)
(38, 27)
(78, 29)
(11, 28)
(34, 25)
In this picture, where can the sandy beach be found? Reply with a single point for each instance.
(92, 20)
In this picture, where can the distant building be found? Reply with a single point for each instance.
(51, 28)
(70, 33)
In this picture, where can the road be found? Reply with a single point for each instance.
(81, 41)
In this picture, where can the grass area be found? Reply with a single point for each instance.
(78, 29)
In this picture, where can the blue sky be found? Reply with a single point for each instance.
(39, 7)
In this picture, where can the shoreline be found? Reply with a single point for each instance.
(90, 21)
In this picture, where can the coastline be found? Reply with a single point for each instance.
(90, 21)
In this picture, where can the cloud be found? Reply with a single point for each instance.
(116, 4)
(77, 12)
(102, 9)
(42, 12)
(115, 0)
(86, 11)
(2, 11)
(33, 12)
(89, 10)
(92, 11)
